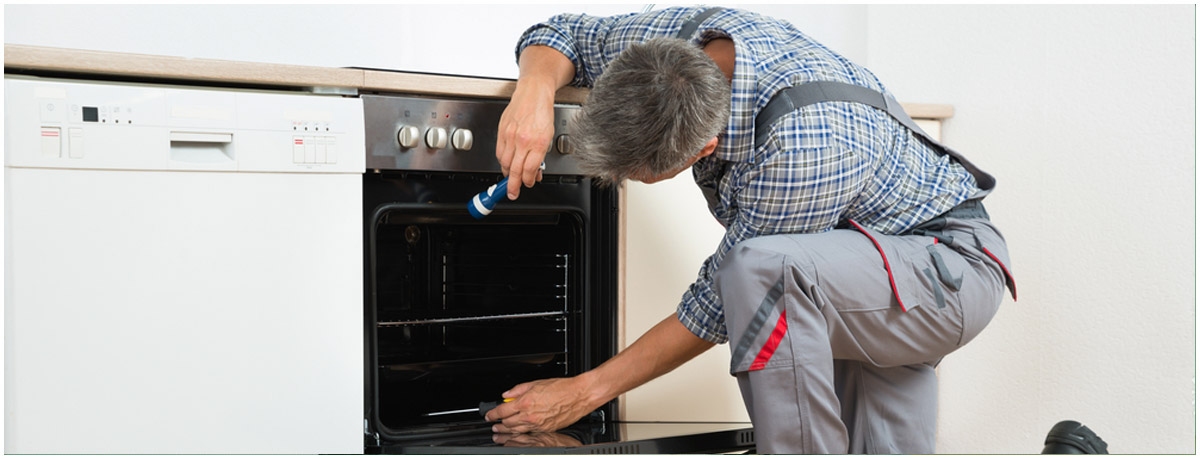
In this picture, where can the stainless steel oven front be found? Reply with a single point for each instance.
(460, 309)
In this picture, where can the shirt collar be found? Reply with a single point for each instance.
(737, 140)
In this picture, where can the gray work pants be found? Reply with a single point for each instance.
(835, 335)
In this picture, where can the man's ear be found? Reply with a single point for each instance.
(708, 149)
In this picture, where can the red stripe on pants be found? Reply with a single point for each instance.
(772, 343)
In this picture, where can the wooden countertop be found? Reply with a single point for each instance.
(78, 61)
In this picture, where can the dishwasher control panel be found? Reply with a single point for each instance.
(58, 123)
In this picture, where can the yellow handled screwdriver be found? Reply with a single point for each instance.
(483, 408)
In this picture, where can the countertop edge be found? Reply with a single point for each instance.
(81, 61)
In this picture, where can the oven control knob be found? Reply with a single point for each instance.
(563, 144)
(408, 136)
(435, 138)
(462, 139)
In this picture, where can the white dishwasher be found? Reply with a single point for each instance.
(183, 269)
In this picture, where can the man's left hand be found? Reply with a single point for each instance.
(543, 406)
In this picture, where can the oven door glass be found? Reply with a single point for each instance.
(465, 309)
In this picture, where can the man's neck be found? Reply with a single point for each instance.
(721, 51)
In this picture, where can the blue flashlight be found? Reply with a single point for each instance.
(483, 203)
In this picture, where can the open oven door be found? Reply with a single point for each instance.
(591, 437)
(458, 310)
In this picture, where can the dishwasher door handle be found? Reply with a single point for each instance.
(201, 137)
(202, 151)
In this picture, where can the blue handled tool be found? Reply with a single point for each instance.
(483, 203)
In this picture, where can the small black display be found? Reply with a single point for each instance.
(91, 114)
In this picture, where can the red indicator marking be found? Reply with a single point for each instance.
(886, 266)
(49, 133)
(299, 141)
(1012, 282)
(772, 344)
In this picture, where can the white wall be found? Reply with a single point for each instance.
(456, 39)
(1086, 116)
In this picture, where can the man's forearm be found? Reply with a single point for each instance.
(663, 348)
(545, 67)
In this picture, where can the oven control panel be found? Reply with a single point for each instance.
(451, 135)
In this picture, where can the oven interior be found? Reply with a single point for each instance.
(461, 310)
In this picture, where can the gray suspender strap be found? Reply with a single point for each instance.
(788, 100)
(690, 27)
(685, 33)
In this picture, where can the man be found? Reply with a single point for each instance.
(857, 253)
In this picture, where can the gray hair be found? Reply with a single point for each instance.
(655, 107)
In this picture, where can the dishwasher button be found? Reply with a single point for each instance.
(310, 150)
(75, 142)
(322, 147)
(297, 150)
(331, 151)
(52, 111)
(51, 142)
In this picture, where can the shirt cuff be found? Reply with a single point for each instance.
(554, 37)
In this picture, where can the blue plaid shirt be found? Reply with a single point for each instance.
(822, 164)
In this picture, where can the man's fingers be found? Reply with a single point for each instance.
(532, 168)
(514, 175)
(504, 151)
(518, 390)
(512, 425)
(504, 411)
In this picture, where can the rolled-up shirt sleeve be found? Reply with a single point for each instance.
(700, 310)
(579, 37)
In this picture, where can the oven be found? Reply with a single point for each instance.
(459, 309)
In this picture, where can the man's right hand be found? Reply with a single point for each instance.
(527, 125)
(524, 135)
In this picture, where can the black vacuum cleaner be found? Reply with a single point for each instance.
(1070, 437)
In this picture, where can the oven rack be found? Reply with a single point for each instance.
(473, 318)
(450, 292)
(477, 364)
